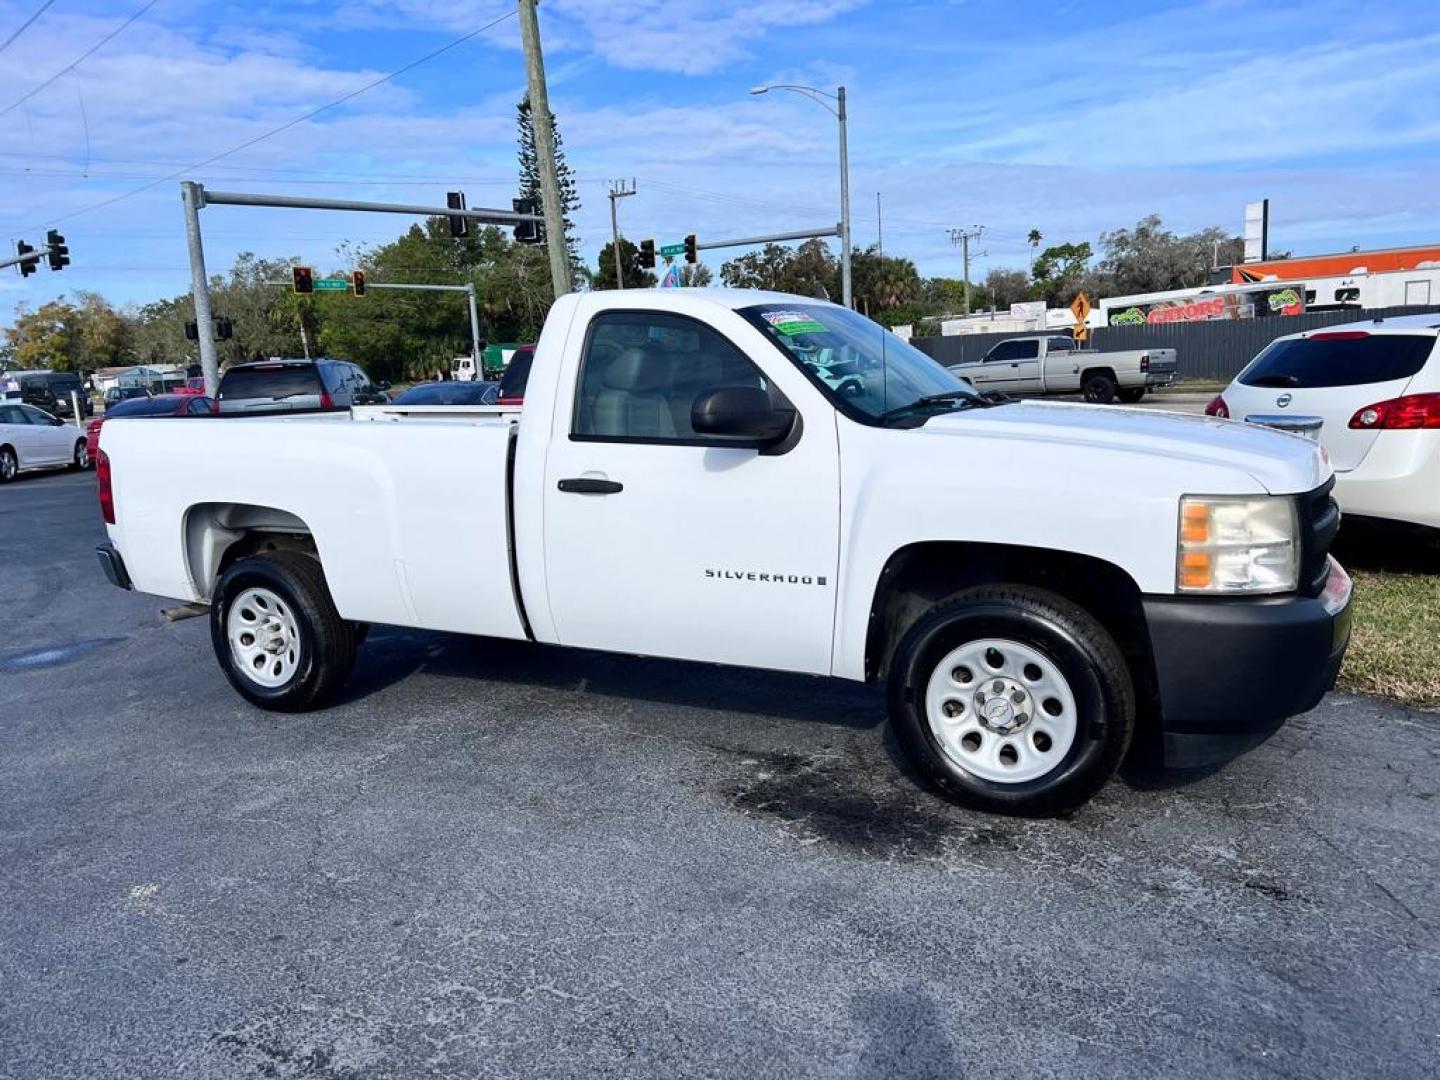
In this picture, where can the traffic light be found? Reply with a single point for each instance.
(27, 266)
(647, 254)
(357, 282)
(692, 249)
(224, 328)
(459, 224)
(526, 232)
(59, 254)
(302, 279)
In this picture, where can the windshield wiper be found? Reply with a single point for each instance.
(1275, 380)
(962, 399)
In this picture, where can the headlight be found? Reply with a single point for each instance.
(1237, 545)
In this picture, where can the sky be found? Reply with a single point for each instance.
(1068, 118)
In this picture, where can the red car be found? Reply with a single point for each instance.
(160, 405)
(192, 387)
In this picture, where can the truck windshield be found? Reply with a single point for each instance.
(870, 374)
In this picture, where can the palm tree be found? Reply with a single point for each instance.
(1034, 241)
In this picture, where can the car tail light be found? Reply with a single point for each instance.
(1217, 407)
(104, 488)
(1410, 412)
(214, 405)
(509, 401)
(1340, 335)
(326, 401)
(93, 426)
(1145, 362)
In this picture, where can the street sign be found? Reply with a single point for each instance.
(1080, 308)
(1081, 332)
(671, 250)
(332, 284)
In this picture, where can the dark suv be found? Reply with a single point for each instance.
(50, 390)
(293, 385)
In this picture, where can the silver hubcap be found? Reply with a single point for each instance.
(7, 466)
(82, 455)
(264, 638)
(1001, 710)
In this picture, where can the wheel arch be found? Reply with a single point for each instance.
(1099, 369)
(918, 576)
(216, 534)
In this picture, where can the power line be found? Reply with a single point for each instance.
(25, 25)
(82, 58)
(282, 127)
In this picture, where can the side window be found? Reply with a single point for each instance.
(1058, 344)
(11, 414)
(1004, 351)
(200, 407)
(32, 415)
(1026, 350)
(642, 371)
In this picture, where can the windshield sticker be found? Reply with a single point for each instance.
(791, 323)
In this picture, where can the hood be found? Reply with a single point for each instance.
(1281, 463)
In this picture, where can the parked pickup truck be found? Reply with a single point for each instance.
(1051, 364)
(1036, 583)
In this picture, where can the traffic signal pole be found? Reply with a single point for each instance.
(192, 195)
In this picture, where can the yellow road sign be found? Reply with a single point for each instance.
(1081, 332)
(1080, 308)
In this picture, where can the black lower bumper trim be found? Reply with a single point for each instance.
(1229, 672)
(113, 565)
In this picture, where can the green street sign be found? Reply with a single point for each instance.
(672, 249)
(332, 284)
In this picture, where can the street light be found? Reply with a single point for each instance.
(824, 98)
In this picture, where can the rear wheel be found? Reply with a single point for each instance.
(1012, 699)
(277, 634)
(81, 457)
(1099, 387)
(9, 465)
(1131, 394)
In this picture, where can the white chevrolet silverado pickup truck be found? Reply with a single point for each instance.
(1037, 583)
(1053, 364)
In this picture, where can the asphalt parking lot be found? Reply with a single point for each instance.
(505, 860)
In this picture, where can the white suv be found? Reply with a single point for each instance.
(1374, 387)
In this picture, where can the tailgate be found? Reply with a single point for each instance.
(1162, 361)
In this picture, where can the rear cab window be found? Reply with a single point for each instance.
(1339, 358)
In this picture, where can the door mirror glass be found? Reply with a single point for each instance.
(744, 415)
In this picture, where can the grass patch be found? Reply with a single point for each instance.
(1395, 645)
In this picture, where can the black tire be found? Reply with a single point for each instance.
(9, 465)
(327, 642)
(81, 457)
(1131, 394)
(1068, 637)
(1099, 387)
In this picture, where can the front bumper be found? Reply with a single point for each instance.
(1231, 671)
(113, 565)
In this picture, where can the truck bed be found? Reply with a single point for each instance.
(395, 509)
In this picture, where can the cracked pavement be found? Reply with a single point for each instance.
(496, 859)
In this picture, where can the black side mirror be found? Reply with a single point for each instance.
(381, 385)
(743, 416)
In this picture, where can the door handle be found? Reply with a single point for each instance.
(588, 485)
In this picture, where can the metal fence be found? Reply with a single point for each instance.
(1214, 350)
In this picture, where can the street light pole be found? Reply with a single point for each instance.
(823, 99)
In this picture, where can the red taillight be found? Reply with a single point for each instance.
(214, 405)
(1339, 335)
(103, 487)
(1218, 408)
(1410, 412)
(509, 401)
(1145, 362)
(326, 401)
(94, 426)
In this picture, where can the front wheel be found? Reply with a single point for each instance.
(81, 458)
(1131, 394)
(1013, 700)
(9, 465)
(277, 634)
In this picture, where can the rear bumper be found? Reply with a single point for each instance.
(1159, 378)
(1398, 480)
(113, 565)
(1231, 671)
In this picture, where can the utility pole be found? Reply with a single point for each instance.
(845, 287)
(193, 197)
(963, 238)
(618, 191)
(545, 148)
